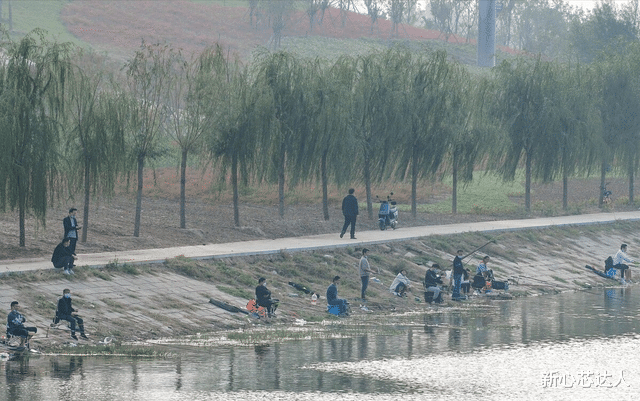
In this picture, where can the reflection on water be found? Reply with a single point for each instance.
(547, 347)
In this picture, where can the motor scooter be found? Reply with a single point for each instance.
(388, 213)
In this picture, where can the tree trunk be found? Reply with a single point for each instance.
(414, 182)
(183, 184)
(325, 191)
(565, 191)
(527, 184)
(23, 241)
(136, 227)
(87, 199)
(631, 178)
(234, 183)
(454, 191)
(367, 184)
(281, 182)
(603, 176)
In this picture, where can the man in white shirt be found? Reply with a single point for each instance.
(618, 262)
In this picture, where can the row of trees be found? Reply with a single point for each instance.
(397, 114)
(553, 28)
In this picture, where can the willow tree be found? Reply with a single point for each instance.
(580, 125)
(185, 122)
(473, 131)
(332, 143)
(282, 88)
(148, 75)
(526, 108)
(95, 144)
(375, 111)
(233, 115)
(432, 95)
(619, 103)
(33, 80)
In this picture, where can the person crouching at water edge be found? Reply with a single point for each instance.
(400, 284)
(332, 296)
(263, 298)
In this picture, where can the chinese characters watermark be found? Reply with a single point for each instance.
(584, 379)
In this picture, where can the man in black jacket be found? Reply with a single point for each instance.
(66, 312)
(431, 281)
(263, 297)
(350, 212)
(458, 272)
(63, 256)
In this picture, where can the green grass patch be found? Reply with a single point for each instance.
(237, 292)
(190, 268)
(486, 194)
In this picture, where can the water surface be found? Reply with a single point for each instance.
(569, 346)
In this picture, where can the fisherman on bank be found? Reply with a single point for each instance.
(432, 284)
(364, 268)
(66, 312)
(619, 262)
(263, 298)
(400, 284)
(332, 297)
(15, 324)
(458, 272)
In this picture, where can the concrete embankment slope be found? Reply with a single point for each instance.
(146, 300)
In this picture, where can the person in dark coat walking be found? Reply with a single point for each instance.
(71, 228)
(63, 256)
(66, 312)
(350, 212)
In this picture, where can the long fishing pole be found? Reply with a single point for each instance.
(477, 249)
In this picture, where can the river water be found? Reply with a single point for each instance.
(573, 346)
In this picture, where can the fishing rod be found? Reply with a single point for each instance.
(477, 249)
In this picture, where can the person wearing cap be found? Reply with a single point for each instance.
(364, 268)
(263, 298)
(332, 296)
(63, 256)
(71, 228)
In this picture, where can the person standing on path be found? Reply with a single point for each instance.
(364, 268)
(71, 228)
(66, 312)
(458, 271)
(350, 212)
